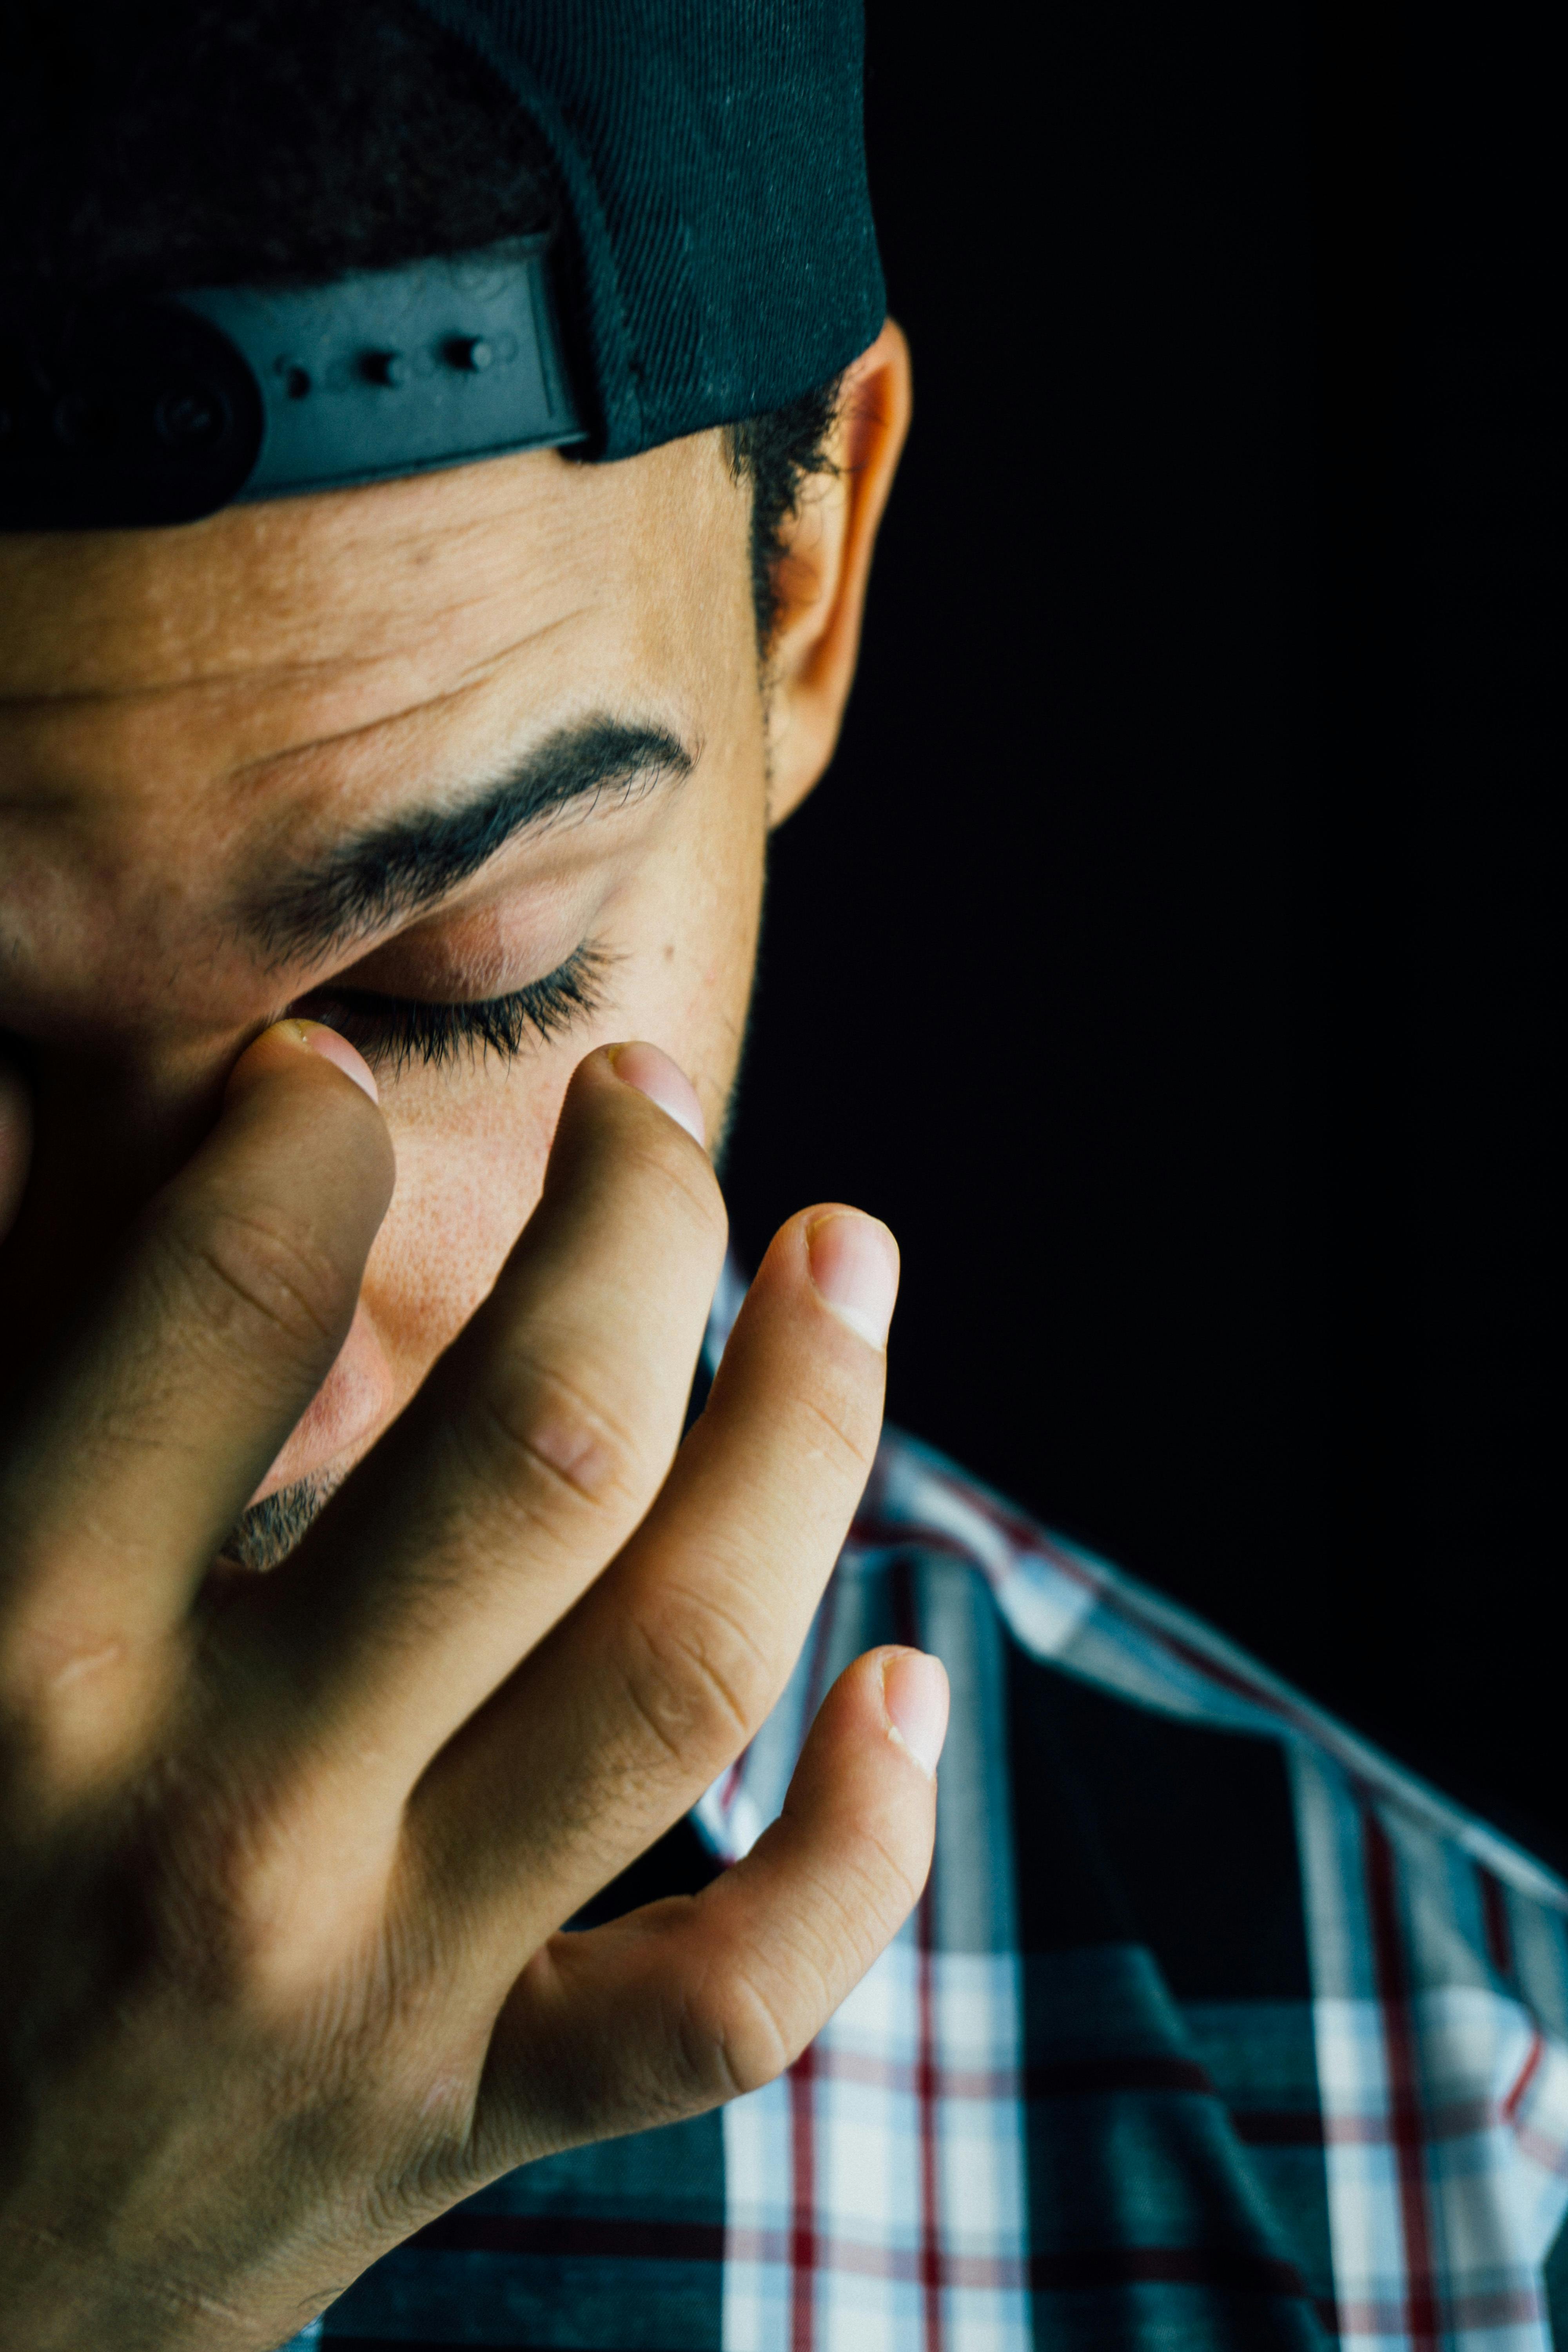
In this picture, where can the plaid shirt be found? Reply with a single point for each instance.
(1213, 2029)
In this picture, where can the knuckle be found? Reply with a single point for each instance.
(731, 2039)
(843, 1428)
(535, 1426)
(762, 1997)
(254, 1907)
(79, 1706)
(698, 1681)
(248, 1275)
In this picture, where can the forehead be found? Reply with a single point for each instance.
(178, 708)
(268, 626)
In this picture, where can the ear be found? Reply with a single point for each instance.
(822, 573)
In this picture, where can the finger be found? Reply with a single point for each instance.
(676, 1655)
(530, 1456)
(236, 1297)
(16, 1141)
(703, 1998)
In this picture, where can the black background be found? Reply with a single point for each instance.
(1169, 955)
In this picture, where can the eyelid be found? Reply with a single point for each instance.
(402, 1029)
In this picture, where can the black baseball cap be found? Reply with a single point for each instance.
(714, 256)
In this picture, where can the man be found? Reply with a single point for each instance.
(491, 1924)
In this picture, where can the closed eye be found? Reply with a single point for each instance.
(400, 1030)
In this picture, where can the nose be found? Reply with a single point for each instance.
(356, 1396)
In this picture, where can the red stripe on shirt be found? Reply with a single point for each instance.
(931, 2253)
(907, 1618)
(803, 2247)
(1526, 2076)
(1403, 2091)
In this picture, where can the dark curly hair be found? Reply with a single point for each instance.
(151, 144)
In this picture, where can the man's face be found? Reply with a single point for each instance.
(284, 758)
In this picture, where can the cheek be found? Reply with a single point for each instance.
(692, 984)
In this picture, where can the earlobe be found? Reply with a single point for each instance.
(825, 567)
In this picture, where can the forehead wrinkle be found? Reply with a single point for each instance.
(266, 762)
(477, 674)
(274, 676)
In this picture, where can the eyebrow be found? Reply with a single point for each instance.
(375, 878)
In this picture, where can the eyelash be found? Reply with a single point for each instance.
(405, 1029)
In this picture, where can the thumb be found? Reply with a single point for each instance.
(16, 1141)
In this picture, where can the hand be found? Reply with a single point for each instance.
(285, 1858)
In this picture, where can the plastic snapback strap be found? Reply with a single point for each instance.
(159, 412)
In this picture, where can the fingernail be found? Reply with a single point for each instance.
(664, 1082)
(333, 1047)
(915, 1695)
(855, 1266)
